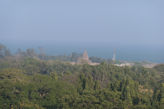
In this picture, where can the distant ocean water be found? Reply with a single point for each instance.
(129, 53)
(122, 53)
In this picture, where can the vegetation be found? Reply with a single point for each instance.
(30, 81)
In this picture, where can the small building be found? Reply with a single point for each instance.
(84, 59)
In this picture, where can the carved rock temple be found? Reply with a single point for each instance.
(84, 59)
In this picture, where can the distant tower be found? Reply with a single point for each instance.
(114, 56)
(85, 56)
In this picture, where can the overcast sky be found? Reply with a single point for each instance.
(125, 22)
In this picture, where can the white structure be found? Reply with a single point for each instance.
(114, 57)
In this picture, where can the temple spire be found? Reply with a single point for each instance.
(114, 56)
(85, 55)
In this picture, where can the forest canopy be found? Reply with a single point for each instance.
(35, 81)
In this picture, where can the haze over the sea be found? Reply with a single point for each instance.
(133, 28)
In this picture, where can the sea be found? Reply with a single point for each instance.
(132, 53)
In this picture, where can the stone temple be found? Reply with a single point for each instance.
(84, 59)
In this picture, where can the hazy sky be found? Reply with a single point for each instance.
(125, 22)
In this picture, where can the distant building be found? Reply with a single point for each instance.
(124, 64)
(84, 59)
(114, 57)
(151, 65)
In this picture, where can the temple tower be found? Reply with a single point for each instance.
(85, 56)
(84, 59)
(114, 56)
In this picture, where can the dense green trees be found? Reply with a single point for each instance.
(32, 83)
(27, 82)
(4, 51)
